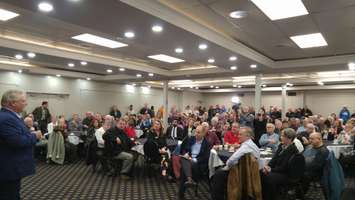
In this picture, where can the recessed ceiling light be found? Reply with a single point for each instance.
(196, 88)
(166, 58)
(88, 79)
(19, 71)
(351, 66)
(178, 88)
(45, 7)
(309, 40)
(211, 86)
(6, 15)
(58, 75)
(280, 9)
(94, 39)
(320, 83)
(83, 63)
(211, 60)
(31, 55)
(233, 67)
(150, 74)
(157, 28)
(139, 75)
(264, 85)
(179, 50)
(109, 70)
(217, 87)
(173, 88)
(71, 65)
(238, 14)
(233, 58)
(122, 69)
(239, 86)
(129, 34)
(234, 85)
(202, 46)
(253, 66)
(19, 56)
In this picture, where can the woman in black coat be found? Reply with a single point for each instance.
(277, 171)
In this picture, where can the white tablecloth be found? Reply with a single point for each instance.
(214, 161)
(138, 148)
(139, 133)
(340, 149)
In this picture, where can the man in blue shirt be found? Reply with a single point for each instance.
(16, 145)
(270, 138)
(195, 152)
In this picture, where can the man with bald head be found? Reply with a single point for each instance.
(304, 136)
(315, 156)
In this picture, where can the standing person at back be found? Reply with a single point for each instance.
(42, 116)
(16, 145)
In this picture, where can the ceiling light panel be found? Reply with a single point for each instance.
(309, 40)
(6, 15)
(97, 40)
(45, 7)
(157, 28)
(281, 9)
(166, 58)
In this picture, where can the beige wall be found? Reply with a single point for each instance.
(268, 99)
(82, 95)
(322, 102)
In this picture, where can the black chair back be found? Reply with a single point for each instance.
(151, 151)
(296, 166)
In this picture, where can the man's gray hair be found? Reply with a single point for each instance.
(10, 96)
(249, 132)
(289, 133)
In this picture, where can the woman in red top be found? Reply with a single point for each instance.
(231, 137)
(130, 130)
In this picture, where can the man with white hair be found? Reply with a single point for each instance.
(270, 138)
(220, 179)
(211, 136)
(16, 145)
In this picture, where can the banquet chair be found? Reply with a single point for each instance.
(296, 170)
(244, 180)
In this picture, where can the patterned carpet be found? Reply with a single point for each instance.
(76, 181)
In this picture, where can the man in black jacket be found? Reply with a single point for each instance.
(277, 172)
(118, 146)
(195, 153)
(174, 131)
(42, 116)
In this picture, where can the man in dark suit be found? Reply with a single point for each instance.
(174, 131)
(16, 145)
(195, 153)
(118, 147)
(42, 116)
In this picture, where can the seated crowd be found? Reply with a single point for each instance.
(113, 140)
